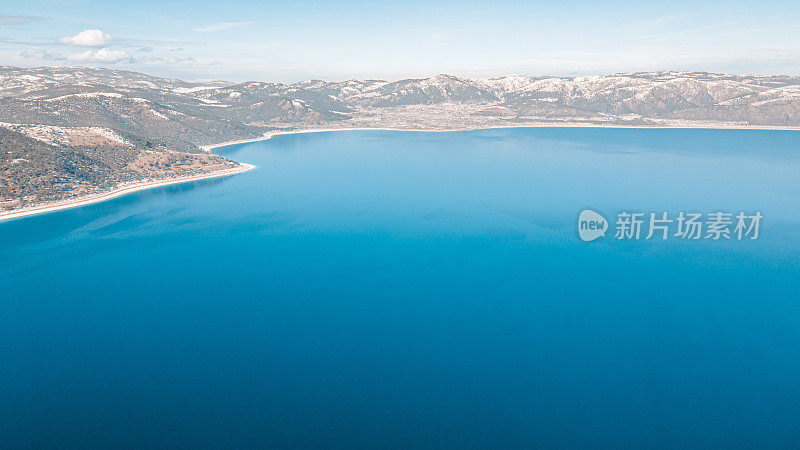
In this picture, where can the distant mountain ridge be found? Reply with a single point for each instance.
(746, 100)
(159, 123)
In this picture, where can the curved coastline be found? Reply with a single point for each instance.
(270, 134)
(124, 190)
(243, 167)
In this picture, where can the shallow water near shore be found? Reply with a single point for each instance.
(382, 288)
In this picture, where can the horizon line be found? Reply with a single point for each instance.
(402, 78)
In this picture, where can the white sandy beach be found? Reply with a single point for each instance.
(271, 134)
(127, 189)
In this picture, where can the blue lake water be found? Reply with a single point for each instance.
(403, 289)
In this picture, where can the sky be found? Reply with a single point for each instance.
(291, 41)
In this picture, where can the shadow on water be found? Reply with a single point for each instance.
(179, 188)
(41, 227)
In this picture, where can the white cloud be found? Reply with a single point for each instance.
(87, 38)
(103, 55)
(222, 26)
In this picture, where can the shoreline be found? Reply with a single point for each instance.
(270, 134)
(244, 167)
(124, 190)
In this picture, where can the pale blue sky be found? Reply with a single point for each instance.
(279, 41)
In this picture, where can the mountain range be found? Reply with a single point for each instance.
(71, 131)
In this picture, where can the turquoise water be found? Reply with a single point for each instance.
(415, 289)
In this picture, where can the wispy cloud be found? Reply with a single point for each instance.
(222, 26)
(44, 55)
(17, 20)
(688, 32)
(655, 22)
(169, 60)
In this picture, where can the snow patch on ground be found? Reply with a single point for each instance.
(86, 95)
(67, 136)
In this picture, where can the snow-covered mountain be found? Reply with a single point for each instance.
(751, 100)
(67, 128)
(100, 97)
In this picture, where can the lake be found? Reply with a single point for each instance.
(409, 289)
